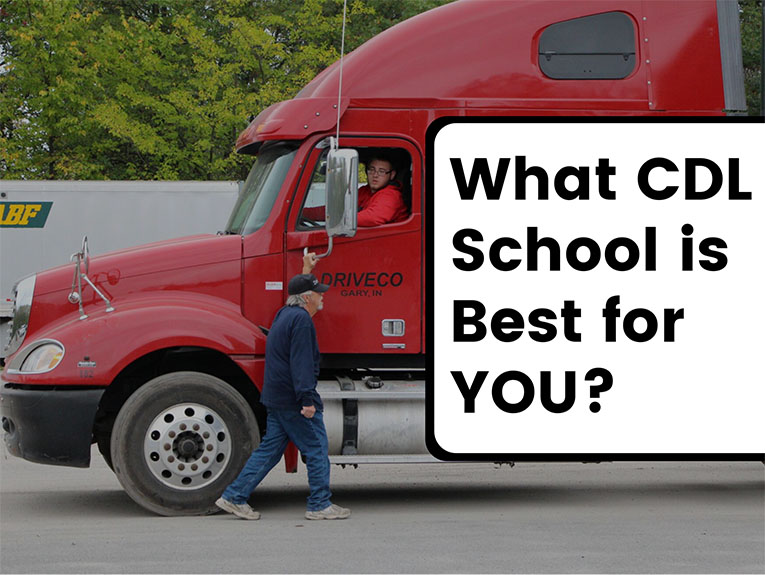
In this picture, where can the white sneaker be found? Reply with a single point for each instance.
(331, 512)
(240, 510)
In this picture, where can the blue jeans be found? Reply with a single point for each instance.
(310, 437)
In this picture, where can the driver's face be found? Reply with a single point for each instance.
(379, 174)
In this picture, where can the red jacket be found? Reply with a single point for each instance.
(385, 206)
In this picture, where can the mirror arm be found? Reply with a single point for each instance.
(324, 255)
(328, 142)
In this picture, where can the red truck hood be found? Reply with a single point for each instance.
(162, 256)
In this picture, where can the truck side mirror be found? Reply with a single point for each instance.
(342, 192)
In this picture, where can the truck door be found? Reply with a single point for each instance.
(374, 304)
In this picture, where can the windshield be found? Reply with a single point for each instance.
(261, 188)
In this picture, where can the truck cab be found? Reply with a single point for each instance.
(156, 353)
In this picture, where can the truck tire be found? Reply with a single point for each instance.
(179, 440)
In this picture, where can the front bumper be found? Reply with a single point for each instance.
(49, 425)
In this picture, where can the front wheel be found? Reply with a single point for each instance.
(180, 440)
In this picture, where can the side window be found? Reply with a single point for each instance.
(312, 214)
(595, 47)
(395, 165)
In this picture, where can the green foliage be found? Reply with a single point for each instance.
(751, 16)
(45, 89)
(129, 89)
(160, 89)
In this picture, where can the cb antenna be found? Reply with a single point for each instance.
(340, 84)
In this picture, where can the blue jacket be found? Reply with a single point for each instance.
(292, 361)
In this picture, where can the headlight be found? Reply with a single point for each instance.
(43, 358)
(37, 357)
(22, 305)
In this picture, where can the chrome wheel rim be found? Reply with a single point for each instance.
(187, 446)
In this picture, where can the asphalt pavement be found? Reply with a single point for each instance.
(639, 517)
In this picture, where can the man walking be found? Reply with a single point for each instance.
(295, 410)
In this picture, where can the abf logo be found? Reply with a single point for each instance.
(24, 214)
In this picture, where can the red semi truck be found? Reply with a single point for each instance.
(156, 353)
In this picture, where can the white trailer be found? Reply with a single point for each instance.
(113, 214)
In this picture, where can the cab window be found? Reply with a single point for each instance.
(312, 214)
(597, 47)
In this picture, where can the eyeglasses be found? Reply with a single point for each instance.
(378, 171)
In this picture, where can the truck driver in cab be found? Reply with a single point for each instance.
(381, 200)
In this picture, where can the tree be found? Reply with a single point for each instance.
(128, 89)
(133, 91)
(751, 16)
(46, 84)
(160, 89)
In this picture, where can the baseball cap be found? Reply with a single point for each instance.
(305, 282)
